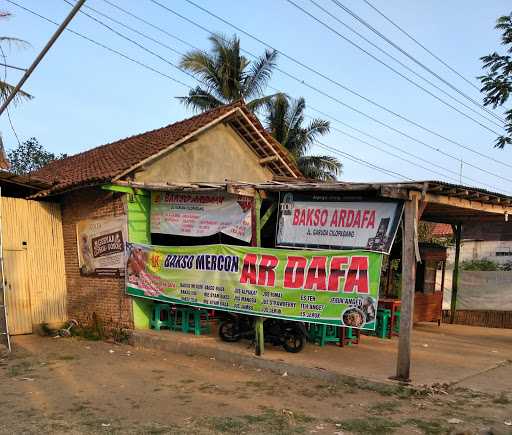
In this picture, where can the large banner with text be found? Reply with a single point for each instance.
(201, 214)
(314, 221)
(329, 287)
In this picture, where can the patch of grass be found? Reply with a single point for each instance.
(429, 427)
(66, 357)
(19, 369)
(269, 421)
(369, 425)
(502, 399)
(384, 407)
(400, 391)
(264, 387)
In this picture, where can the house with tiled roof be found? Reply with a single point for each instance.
(226, 143)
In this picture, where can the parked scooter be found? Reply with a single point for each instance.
(291, 335)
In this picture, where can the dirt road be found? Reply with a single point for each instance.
(76, 386)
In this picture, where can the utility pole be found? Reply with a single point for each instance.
(43, 52)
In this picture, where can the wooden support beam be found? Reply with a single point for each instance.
(258, 325)
(469, 204)
(409, 233)
(421, 208)
(125, 189)
(457, 230)
(268, 159)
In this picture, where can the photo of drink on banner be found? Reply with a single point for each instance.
(312, 221)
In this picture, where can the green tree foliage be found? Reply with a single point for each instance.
(30, 156)
(497, 82)
(284, 120)
(227, 76)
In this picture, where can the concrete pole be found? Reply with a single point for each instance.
(40, 56)
(408, 287)
(457, 230)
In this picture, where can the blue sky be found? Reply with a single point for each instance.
(86, 96)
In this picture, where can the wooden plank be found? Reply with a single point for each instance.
(408, 287)
(35, 228)
(457, 230)
(17, 295)
(268, 159)
(469, 204)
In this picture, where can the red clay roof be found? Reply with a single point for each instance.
(105, 162)
(442, 230)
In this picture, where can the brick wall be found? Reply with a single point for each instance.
(87, 295)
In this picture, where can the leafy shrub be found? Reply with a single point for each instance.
(479, 265)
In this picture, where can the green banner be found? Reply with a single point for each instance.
(329, 287)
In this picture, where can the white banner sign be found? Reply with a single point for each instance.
(101, 246)
(201, 214)
(327, 223)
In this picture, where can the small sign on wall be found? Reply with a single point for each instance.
(101, 246)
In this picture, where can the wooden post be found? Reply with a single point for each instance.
(409, 240)
(258, 325)
(457, 230)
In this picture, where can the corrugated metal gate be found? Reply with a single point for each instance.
(33, 251)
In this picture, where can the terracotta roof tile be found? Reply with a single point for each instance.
(442, 230)
(105, 162)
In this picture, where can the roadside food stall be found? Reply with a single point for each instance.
(215, 249)
(310, 256)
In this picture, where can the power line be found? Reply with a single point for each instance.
(405, 66)
(383, 150)
(334, 82)
(416, 61)
(142, 47)
(99, 44)
(172, 49)
(412, 155)
(144, 65)
(153, 53)
(142, 20)
(421, 45)
(41, 54)
(12, 67)
(361, 161)
(332, 29)
(346, 155)
(164, 45)
(383, 142)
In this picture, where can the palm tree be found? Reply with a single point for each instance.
(227, 76)
(285, 122)
(6, 88)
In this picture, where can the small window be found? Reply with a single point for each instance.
(503, 253)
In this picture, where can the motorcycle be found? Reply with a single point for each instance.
(291, 335)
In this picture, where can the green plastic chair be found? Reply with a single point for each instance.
(383, 323)
(161, 316)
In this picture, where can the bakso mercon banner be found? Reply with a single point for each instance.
(315, 221)
(329, 287)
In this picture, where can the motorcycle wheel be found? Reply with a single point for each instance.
(228, 331)
(293, 342)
